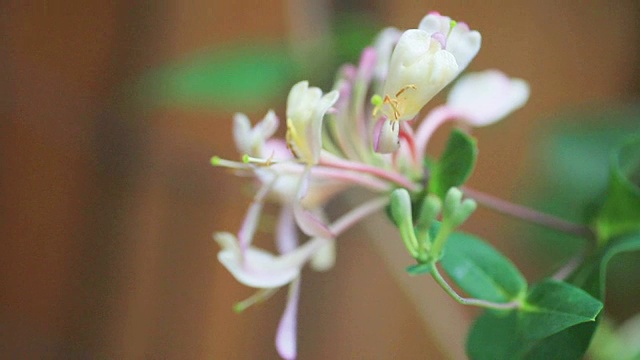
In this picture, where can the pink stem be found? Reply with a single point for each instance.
(527, 214)
(330, 160)
(304, 252)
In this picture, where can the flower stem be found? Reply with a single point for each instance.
(528, 214)
(441, 239)
(469, 301)
(330, 160)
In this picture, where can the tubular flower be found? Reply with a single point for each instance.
(339, 140)
(306, 107)
(423, 62)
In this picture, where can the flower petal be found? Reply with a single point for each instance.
(257, 268)
(286, 337)
(308, 222)
(384, 44)
(464, 44)
(461, 42)
(306, 107)
(386, 136)
(242, 132)
(286, 234)
(483, 98)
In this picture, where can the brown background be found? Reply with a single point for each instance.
(107, 211)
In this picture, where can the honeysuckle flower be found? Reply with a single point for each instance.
(306, 107)
(419, 68)
(339, 140)
(423, 62)
(260, 269)
(251, 140)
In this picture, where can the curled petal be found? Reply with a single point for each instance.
(460, 41)
(485, 97)
(306, 107)
(242, 132)
(251, 140)
(386, 136)
(435, 23)
(286, 337)
(311, 224)
(286, 234)
(464, 44)
(255, 268)
(308, 222)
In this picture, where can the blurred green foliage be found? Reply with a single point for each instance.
(236, 77)
(249, 76)
(569, 173)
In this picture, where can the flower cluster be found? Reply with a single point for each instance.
(360, 134)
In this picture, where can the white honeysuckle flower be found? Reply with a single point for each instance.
(320, 159)
(483, 98)
(423, 62)
(457, 38)
(250, 140)
(418, 70)
(306, 107)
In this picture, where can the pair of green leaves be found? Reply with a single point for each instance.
(549, 308)
(565, 326)
(531, 329)
(554, 319)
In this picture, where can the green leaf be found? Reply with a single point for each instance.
(239, 76)
(555, 322)
(620, 213)
(573, 342)
(480, 270)
(455, 164)
(352, 32)
(552, 306)
(494, 336)
(558, 321)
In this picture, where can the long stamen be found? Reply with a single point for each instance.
(258, 297)
(218, 161)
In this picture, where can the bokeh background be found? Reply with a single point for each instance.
(112, 109)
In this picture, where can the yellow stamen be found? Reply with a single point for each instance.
(405, 88)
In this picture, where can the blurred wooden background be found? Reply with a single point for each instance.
(107, 211)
